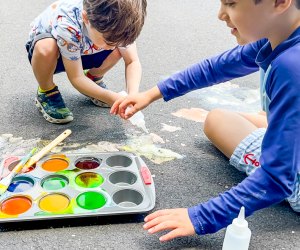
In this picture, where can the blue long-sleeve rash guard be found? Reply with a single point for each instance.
(280, 159)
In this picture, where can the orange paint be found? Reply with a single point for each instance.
(16, 205)
(55, 164)
(54, 203)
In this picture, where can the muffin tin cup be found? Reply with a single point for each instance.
(96, 184)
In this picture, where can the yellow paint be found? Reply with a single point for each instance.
(6, 216)
(54, 203)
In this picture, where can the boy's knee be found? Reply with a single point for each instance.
(46, 49)
(213, 118)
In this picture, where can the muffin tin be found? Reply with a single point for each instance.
(78, 185)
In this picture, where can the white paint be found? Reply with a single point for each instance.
(156, 138)
(144, 145)
(228, 95)
(169, 128)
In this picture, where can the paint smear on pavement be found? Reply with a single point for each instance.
(156, 138)
(193, 114)
(169, 128)
(10, 145)
(229, 96)
(144, 145)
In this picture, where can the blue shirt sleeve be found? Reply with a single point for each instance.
(237, 62)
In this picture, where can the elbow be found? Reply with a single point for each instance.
(285, 188)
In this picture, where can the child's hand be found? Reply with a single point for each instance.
(128, 106)
(176, 220)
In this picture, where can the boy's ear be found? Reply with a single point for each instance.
(282, 5)
(84, 17)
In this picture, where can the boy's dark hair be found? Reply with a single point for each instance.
(120, 21)
(297, 3)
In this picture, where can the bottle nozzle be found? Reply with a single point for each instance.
(141, 124)
(241, 216)
(240, 221)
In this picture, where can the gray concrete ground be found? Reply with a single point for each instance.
(177, 33)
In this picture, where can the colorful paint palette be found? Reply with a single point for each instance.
(78, 185)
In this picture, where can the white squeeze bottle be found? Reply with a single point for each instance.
(238, 234)
(138, 118)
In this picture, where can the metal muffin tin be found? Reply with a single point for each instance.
(122, 180)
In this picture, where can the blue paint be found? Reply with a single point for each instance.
(19, 186)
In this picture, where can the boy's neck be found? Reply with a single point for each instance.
(284, 27)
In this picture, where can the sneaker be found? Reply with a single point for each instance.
(99, 81)
(53, 107)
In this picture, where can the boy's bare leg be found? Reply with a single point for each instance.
(259, 120)
(226, 129)
(108, 63)
(44, 61)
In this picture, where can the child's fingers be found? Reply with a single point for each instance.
(125, 103)
(177, 220)
(126, 109)
(156, 221)
(130, 111)
(115, 107)
(156, 214)
(172, 235)
(162, 225)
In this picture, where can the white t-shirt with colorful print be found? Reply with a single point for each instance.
(63, 21)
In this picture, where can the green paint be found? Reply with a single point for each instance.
(89, 180)
(54, 183)
(70, 174)
(91, 200)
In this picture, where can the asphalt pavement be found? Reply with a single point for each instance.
(177, 33)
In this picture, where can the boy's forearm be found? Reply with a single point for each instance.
(133, 74)
(153, 94)
(87, 87)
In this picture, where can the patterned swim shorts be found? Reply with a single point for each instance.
(246, 159)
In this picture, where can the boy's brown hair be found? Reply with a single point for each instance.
(120, 21)
(297, 3)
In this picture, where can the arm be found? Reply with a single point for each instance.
(234, 63)
(137, 102)
(237, 62)
(68, 36)
(269, 184)
(133, 69)
(86, 86)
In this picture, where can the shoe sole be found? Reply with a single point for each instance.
(48, 117)
(99, 103)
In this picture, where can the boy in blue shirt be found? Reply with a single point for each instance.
(266, 147)
(78, 35)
